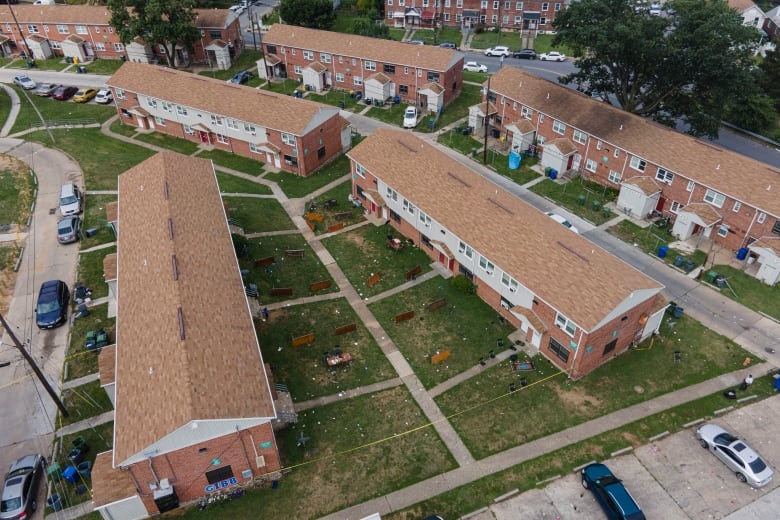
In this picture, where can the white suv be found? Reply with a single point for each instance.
(498, 51)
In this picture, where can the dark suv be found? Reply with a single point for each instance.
(525, 54)
(20, 491)
(52, 309)
(614, 498)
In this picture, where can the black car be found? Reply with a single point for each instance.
(241, 77)
(612, 496)
(525, 54)
(21, 487)
(52, 309)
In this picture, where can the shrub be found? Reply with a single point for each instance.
(463, 284)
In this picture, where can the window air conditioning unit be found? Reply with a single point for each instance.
(260, 461)
(505, 304)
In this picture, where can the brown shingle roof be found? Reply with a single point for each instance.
(524, 126)
(704, 211)
(730, 173)
(768, 243)
(211, 18)
(108, 484)
(107, 365)
(382, 51)
(644, 183)
(94, 15)
(565, 146)
(433, 87)
(109, 267)
(170, 367)
(741, 5)
(261, 107)
(75, 39)
(572, 274)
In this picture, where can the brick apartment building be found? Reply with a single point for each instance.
(577, 304)
(84, 32)
(428, 76)
(709, 192)
(525, 15)
(193, 401)
(288, 133)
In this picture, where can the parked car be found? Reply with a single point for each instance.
(20, 490)
(525, 54)
(735, 454)
(473, 66)
(104, 96)
(552, 56)
(84, 95)
(68, 230)
(63, 93)
(45, 89)
(238, 9)
(612, 496)
(560, 220)
(52, 307)
(416, 42)
(448, 45)
(500, 50)
(241, 77)
(410, 117)
(655, 9)
(24, 81)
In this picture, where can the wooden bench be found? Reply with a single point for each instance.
(281, 291)
(297, 253)
(318, 286)
(343, 216)
(346, 328)
(404, 316)
(335, 227)
(263, 262)
(374, 279)
(412, 273)
(302, 340)
(438, 304)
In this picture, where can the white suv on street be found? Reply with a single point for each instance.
(498, 51)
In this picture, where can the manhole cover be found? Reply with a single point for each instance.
(638, 389)
(52, 211)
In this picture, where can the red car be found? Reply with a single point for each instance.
(64, 93)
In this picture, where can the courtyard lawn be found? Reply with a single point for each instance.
(649, 238)
(303, 369)
(257, 215)
(80, 362)
(16, 191)
(583, 198)
(233, 161)
(247, 60)
(500, 163)
(175, 144)
(231, 184)
(124, 129)
(282, 86)
(465, 144)
(466, 326)
(296, 273)
(643, 373)
(295, 186)
(458, 109)
(101, 158)
(491, 38)
(340, 195)
(363, 252)
(337, 98)
(475, 77)
(103, 66)
(95, 217)
(749, 291)
(8, 256)
(543, 43)
(90, 271)
(353, 453)
(58, 113)
(392, 114)
(397, 34)
(83, 402)
(56, 64)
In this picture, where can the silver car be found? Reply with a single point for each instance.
(20, 491)
(734, 453)
(68, 230)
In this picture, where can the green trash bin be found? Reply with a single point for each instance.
(596, 205)
(581, 199)
(474, 152)
(607, 211)
(711, 275)
(53, 472)
(547, 171)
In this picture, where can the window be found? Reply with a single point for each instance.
(151, 102)
(559, 350)
(360, 170)
(308, 55)
(458, 16)
(370, 65)
(339, 77)
(250, 129)
(426, 241)
(120, 94)
(715, 198)
(32, 29)
(320, 152)
(232, 124)
(541, 118)
(216, 120)
(297, 69)
(446, 3)
(465, 249)
(99, 46)
(424, 219)
(723, 230)
(217, 35)
(609, 347)
(357, 81)
(638, 164)
(81, 29)
(254, 148)
(675, 207)
(486, 265)
(737, 206)
(690, 186)
(559, 128)
(159, 120)
(56, 45)
(590, 165)
(389, 69)
(341, 59)
(545, 6)
(63, 29)
(579, 137)
(494, 19)
(391, 193)
(288, 139)
(562, 322)
(325, 57)
(761, 217)
(776, 227)
(219, 474)
(557, 7)
(518, 6)
(389, 2)
(616, 153)
(446, 17)
(495, 4)
(188, 129)
(614, 176)
(403, 90)
(290, 160)
(458, 3)
(526, 113)
(433, 76)
(518, 20)
(483, 4)
(664, 176)
(119, 47)
(223, 139)
(409, 207)
(166, 106)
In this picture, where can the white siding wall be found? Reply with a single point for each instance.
(128, 509)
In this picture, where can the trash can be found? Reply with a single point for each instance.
(75, 456)
(82, 69)
(69, 474)
(474, 152)
(607, 212)
(679, 260)
(711, 275)
(689, 265)
(54, 502)
(581, 199)
(553, 174)
(85, 469)
(678, 312)
(596, 205)
(80, 443)
(547, 171)
(53, 472)
(662, 251)
(69, 60)
(742, 253)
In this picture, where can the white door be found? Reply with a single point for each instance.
(536, 339)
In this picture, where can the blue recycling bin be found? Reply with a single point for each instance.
(553, 174)
(54, 502)
(70, 474)
(678, 312)
(679, 260)
(662, 251)
(742, 253)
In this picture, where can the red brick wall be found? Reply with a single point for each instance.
(186, 468)
(327, 135)
(453, 11)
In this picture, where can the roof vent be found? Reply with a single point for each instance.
(165, 189)
(457, 178)
(494, 201)
(182, 336)
(411, 149)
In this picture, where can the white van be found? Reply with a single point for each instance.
(70, 200)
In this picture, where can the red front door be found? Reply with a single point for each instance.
(442, 258)
(571, 161)
(204, 137)
(373, 208)
(451, 265)
(660, 205)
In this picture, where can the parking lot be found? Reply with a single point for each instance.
(672, 478)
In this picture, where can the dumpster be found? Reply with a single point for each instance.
(70, 473)
(711, 276)
(679, 260)
(54, 502)
(742, 253)
(662, 251)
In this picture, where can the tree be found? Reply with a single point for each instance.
(317, 14)
(684, 67)
(165, 23)
(771, 79)
(365, 27)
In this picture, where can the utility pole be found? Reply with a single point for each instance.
(487, 121)
(29, 52)
(35, 368)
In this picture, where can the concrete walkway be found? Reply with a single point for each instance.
(87, 423)
(16, 106)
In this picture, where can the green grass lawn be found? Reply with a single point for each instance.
(247, 60)
(84, 401)
(397, 34)
(343, 206)
(162, 140)
(363, 251)
(643, 373)
(462, 143)
(491, 38)
(458, 109)
(303, 369)
(257, 215)
(95, 217)
(16, 189)
(79, 361)
(56, 64)
(293, 272)
(8, 256)
(233, 161)
(122, 128)
(468, 327)
(232, 184)
(295, 186)
(90, 271)
(475, 77)
(568, 195)
(338, 98)
(282, 86)
(103, 66)
(101, 158)
(5, 106)
(353, 454)
(500, 163)
(750, 292)
(392, 114)
(649, 238)
(543, 43)
(55, 112)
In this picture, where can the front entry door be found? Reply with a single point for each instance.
(204, 137)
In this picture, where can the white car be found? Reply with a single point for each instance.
(104, 96)
(410, 117)
(655, 10)
(560, 220)
(552, 56)
(498, 51)
(25, 82)
(735, 454)
(473, 66)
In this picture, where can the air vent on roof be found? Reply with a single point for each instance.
(494, 201)
(165, 190)
(407, 146)
(175, 267)
(182, 336)
(455, 176)
(170, 228)
(572, 251)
